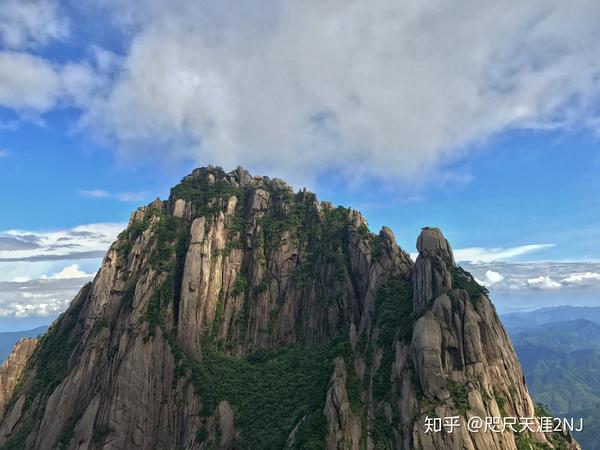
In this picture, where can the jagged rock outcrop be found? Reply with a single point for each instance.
(432, 268)
(12, 369)
(239, 314)
(462, 354)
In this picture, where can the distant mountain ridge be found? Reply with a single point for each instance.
(560, 355)
(568, 335)
(520, 321)
(9, 339)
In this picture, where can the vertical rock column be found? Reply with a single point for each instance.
(432, 278)
(433, 268)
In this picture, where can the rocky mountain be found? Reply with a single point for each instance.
(10, 338)
(241, 314)
(12, 369)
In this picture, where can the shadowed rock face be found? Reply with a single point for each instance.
(239, 314)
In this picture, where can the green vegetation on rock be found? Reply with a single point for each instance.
(459, 395)
(461, 279)
(271, 391)
(394, 320)
(203, 195)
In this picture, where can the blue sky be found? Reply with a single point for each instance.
(488, 129)
(519, 188)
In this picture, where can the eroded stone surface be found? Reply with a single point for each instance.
(238, 272)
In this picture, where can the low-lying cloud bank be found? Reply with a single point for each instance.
(43, 298)
(80, 242)
(571, 277)
(41, 271)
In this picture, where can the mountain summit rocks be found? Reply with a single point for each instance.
(241, 314)
(432, 275)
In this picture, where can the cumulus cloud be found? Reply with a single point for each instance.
(31, 85)
(381, 87)
(28, 82)
(71, 271)
(582, 278)
(31, 23)
(543, 282)
(491, 278)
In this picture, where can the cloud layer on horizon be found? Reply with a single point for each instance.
(82, 241)
(41, 271)
(506, 276)
(38, 298)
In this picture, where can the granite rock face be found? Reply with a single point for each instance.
(12, 369)
(241, 314)
(432, 269)
(344, 426)
(462, 355)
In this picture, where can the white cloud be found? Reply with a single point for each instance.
(483, 254)
(39, 297)
(32, 85)
(40, 271)
(40, 309)
(543, 282)
(381, 87)
(29, 23)
(491, 278)
(121, 196)
(80, 242)
(71, 271)
(28, 83)
(574, 278)
(81, 81)
(21, 279)
(582, 278)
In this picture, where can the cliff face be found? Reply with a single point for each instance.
(239, 314)
(12, 369)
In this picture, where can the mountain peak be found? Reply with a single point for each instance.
(239, 313)
(433, 268)
(431, 242)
